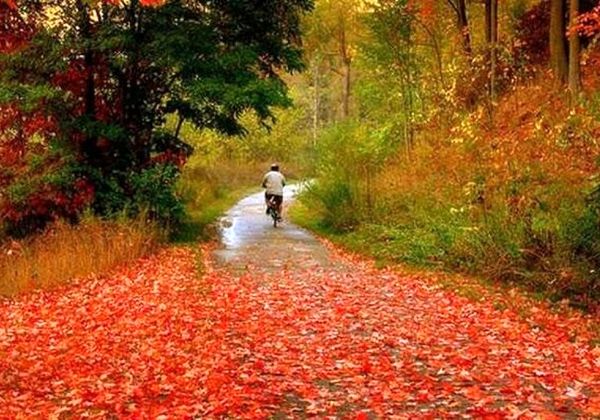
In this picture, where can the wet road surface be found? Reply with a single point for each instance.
(249, 240)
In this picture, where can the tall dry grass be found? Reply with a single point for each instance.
(65, 252)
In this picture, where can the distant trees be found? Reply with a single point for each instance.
(567, 25)
(462, 20)
(331, 43)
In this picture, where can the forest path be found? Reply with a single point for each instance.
(317, 332)
(249, 240)
(303, 330)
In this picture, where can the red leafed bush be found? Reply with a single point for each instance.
(532, 34)
(43, 203)
(49, 202)
(14, 31)
(38, 185)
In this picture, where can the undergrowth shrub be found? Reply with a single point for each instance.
(350, 154)
(335, 203)
(156, 196)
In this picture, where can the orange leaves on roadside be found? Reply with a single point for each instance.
(216, 381)
(153, 340)
(362, 416)
(152, 3)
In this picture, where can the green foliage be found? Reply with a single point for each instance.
(154, 193)
(349, 155)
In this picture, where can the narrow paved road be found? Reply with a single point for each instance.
(249, 240)
(325, 334)
(280, 325)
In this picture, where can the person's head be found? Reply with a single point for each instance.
(275, 167)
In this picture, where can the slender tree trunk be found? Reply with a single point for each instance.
(346, 88)
(493, 48)
(574, 53)
(411, 89)
(558, 50)
(138, 129)
(346, 69)
(463, 25)
(179, 126)
(316, 99)
(491, 20)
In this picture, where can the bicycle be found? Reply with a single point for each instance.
(273, 212)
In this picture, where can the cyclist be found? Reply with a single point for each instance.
(273, 182)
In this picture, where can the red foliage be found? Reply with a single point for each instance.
(424, 9)
(15, 31)
(176, 158)
(10, 3)
(74, 79)
(589, 23)
(48, 203)
(17, 126)
(532, 34)
(151, 340)
(152, 3)
(44, 202)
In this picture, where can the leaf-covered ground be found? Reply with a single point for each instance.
(158, 340)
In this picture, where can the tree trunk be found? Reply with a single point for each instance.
(346, 63)
(558, 50)
(574, 53)
(346, 88)
(316, 99)
(491, 21)
(463, 25)
(493, 47)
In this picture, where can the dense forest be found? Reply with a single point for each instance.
(460, 135)
(454, 134)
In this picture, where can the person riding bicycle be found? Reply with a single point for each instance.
(273, 182)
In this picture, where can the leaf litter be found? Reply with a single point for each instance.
(153, 340)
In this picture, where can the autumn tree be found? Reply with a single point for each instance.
(462, 21)
(391, 54)
(333, 32)
(107, 74)
(558, 48)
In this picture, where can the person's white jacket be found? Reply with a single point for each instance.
(274, 181)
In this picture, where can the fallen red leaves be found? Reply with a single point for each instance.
(154, 340)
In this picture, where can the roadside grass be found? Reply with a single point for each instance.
(64, 252)
(371, 241)
(208, 190)
(503, 295)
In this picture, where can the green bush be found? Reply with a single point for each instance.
(335, 202)
(155, 194)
